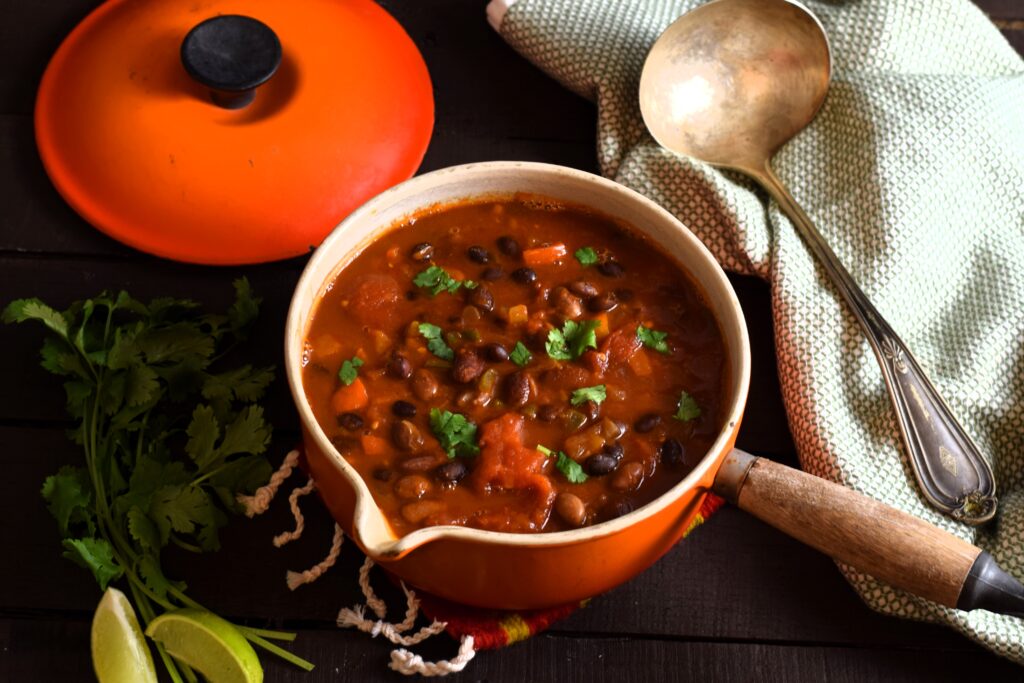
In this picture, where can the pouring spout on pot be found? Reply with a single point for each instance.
(875, 538)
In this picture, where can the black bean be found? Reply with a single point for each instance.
(602, 302)
(601, 464)
(672, 452)
(398, 366)
(615, 450)
(647, 422)
(403, 409)
(406, 435)
(350, 421)
(620, 508)
(482, 298)
(344, 444)
(467, 366)
(509, 246)
(478, 254)
(547, 413)
(451, 472)
(492, 273)
(624, 295)
(496, 353)
(424, 251)
(583, 288)
(382, 473)
(524, 275)
(611, 269)
(591, 409)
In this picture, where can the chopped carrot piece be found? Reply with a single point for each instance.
(517, 315)
(542, 256)
(373, 445)
(350, 398)
(640, 363)
(603, 329)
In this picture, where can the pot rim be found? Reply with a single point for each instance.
(371, 528)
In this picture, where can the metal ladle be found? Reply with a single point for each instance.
(729, 83)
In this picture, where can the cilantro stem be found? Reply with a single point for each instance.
(146, 610)
(266, 633)
(185, 545)
(198, 480)
(279, 651)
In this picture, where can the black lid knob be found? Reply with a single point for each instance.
(231, 55)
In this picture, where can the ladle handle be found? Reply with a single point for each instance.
(870, 536)
(949, 468)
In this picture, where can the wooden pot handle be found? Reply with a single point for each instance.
(879, 540)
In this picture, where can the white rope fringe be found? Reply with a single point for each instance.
(258, 503)
(356, 617)
(402, 660)
(300, 522)
(409, 664)
(296, 579)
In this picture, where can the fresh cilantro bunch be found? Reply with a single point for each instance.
(170, 437)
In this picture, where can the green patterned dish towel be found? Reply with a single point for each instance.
(914, 173)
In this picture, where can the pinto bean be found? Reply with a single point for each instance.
(482, 298)
(424, 384)
(602, 302)
(414, 513)
(467, 366)
(566, 303)
(628, 477)
(412, 486)
(406, 435)
(547, 413)
(518, 389)
(571, 509)
(583, 288)
(420, 463)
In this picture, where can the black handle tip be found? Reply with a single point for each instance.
(232, 55)
(990, 588)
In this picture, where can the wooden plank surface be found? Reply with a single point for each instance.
(736, 602)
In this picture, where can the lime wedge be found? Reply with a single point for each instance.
(119, 652)
(210, 645)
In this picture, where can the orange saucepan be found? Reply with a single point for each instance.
(522, 571)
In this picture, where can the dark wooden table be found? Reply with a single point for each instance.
(736, 601)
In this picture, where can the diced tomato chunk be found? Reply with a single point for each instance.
(620, 346)
(506, 464)
(374, 296)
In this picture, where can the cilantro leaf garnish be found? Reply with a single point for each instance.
(687, 408)
(350, 370)
(572, 340)
(171, 436)
(437, 280)
(435, 341)
(572, 470)
(587, 256)
(653, 338)
(520, 355)
(455, 432)
(597, 394)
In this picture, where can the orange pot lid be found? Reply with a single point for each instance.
(150, 138)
